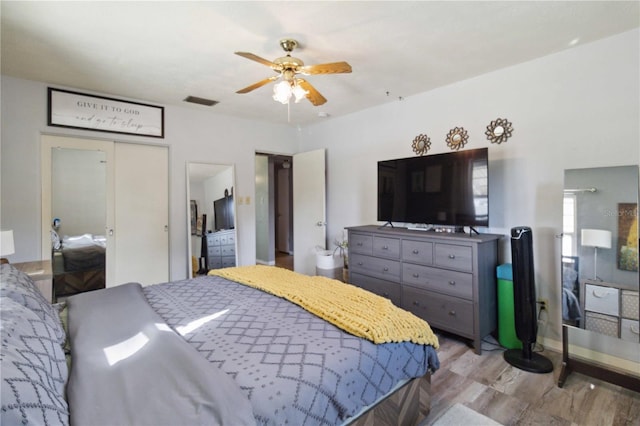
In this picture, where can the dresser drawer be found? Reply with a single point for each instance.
(213, 239)
(213, 251)
(375, 266)
(417, 252)
(360, 243)
(227, 239)
(215, 263)
(605, 300)
(629, 307)
(604, 324)
(630, 330)
(228, 250)
(440, 311)
(383, 288)
(228, 261)
(454, 257)
(386, 247)
(457, 284)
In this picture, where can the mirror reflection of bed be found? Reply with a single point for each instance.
(79, 264)
(78, 206)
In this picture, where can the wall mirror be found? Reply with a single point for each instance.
(600, 251)
(599, 289)
(211, 218)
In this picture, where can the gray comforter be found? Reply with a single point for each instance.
(130, 368)
(294, 367)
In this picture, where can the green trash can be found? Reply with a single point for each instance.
(506, 319)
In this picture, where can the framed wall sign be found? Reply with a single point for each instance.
(82, 111)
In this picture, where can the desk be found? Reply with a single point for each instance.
(41, 274)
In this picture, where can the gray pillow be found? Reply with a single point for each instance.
(34, 370)
(19, 287)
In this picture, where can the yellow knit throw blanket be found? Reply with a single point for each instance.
(348, 307)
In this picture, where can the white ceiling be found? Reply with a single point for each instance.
(161, 52)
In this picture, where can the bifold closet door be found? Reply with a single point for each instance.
(141, 214)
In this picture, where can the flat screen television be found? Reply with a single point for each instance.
(441, 189)
(223, 213)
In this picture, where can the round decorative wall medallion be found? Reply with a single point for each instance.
(421, 144)
(457, 138)
(499, 130)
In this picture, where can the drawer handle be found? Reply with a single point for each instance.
(452, 313)
(385, 269)
(600, 295)
(416, 275)
(385, 294)
(359, 244)
(452, 256)
(416, 303)
(385, 247)
(416, 252)
(359, 263)
(452, 283)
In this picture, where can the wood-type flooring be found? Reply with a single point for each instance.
(489, 385)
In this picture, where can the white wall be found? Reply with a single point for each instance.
(575, 109)
(194, 134)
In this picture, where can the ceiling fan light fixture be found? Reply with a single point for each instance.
(282, 92)
(299, 92)
(287, 68)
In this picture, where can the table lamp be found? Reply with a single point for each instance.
(596, 238)
(6, 245)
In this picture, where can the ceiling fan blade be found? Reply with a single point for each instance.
(257, 59)
(258, 84)
(313, 95)
(332, 68)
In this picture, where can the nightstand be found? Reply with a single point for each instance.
(41, 274)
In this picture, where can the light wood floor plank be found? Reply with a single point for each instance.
(489, 385)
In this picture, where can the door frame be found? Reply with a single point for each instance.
(50, 140)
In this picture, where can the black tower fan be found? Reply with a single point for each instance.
(524, 294)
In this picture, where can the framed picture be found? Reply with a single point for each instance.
(628, 237)
(99, 113)
(194, 217)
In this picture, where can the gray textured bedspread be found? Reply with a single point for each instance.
(130, 368)
(295, 367)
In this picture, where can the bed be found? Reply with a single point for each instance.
(79, 264)
(208, 350)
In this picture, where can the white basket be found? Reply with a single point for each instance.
(325, 259)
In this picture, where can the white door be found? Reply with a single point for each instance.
(309, 209)
(141, 214)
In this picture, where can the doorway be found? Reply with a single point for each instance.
(304, 232)
(274, 210)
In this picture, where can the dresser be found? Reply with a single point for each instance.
(611, 309)
(221, 249)
(447, 279)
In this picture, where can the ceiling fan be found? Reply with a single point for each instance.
(288, 68)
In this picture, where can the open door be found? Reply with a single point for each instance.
(309, 206)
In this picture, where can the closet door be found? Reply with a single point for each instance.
(141, 214)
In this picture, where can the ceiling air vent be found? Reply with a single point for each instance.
(200, 101)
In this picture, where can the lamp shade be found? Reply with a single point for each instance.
(6, 243)
(596, 238)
